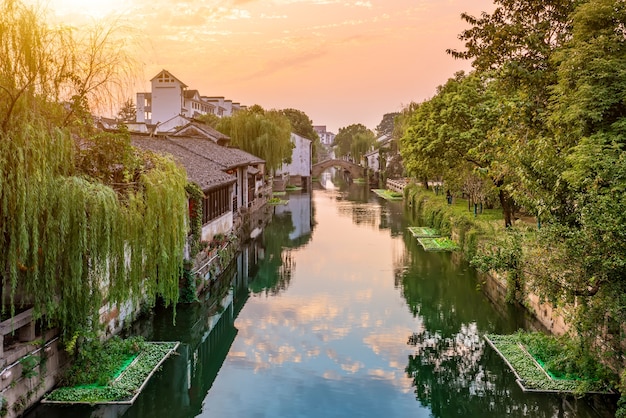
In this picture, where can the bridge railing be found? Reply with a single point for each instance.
(397, 185)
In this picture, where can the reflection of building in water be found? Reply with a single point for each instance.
(326, 179)
(299, 207)
(361, 213)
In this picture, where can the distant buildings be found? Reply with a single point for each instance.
(326, 137)
(170, 104)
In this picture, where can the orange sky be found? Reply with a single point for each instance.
(339, 61)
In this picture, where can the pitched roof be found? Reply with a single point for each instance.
(191, 94)
(165, 72)
(202, 130)
(227, 158)
(205, 173)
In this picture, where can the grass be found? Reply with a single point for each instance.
(293, 188)
(126, 385)
(277, 201)
(360, 180)
(388, 194)
(423, 232)
(279, 193)
(438, 244)
(531, 374)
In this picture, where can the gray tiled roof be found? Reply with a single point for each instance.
(203, 171)
(226, 157)
(203, 129)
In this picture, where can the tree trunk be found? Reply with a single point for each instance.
(507, 208)
(425, 183)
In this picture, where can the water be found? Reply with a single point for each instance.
(337, 312)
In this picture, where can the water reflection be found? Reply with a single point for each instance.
(291, 228)
(367, 325)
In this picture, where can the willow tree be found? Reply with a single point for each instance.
(347, 136)
(264, 133)
(71, 242)
(302, 125)
(75, 205)
(86, 68)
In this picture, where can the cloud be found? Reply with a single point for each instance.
(284, 63)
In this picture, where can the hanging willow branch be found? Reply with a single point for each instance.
(70, 243)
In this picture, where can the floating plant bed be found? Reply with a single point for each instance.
(424, 232)
(126, 387)
(388, 194)
(279, 193)
(437, 244)
(276, 201)
(359, 181)
(529, 373)
(293, 188)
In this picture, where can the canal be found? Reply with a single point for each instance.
(335, 311)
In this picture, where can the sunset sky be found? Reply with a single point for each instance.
(339, 61)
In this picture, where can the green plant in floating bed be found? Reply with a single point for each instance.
(99, 363)
(277, 201)
(522, 359)
(124, 387)
(423, 232)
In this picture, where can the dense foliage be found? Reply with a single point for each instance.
(302, 125)
(264, 133)
(540, 123)
(75, 203)
(108, 361)
(354, 141)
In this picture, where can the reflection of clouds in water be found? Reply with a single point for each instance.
(301, 330)
(346, 363)
(332, 375)
(392, 343)
(397, 378)
(270, 335)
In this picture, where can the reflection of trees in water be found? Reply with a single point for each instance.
(454, 373)
(458, 377)
(275, 269)
(360, 213)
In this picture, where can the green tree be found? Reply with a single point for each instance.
(210, 119)
(387, 124)
(73, 204)
(451, 136)
(590, 114)
(300, 123)
(264, 133)
(516, 43)
(39, 65)
(362, 142)
(128, 112)
(303, 126)
(347, 136)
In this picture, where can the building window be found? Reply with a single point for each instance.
(215, 204)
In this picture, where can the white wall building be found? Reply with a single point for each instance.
(169, 98)
(299, 170)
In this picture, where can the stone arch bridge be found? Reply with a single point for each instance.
(356, 171)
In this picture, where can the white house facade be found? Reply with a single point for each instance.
(299, 170)
(169, 98)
